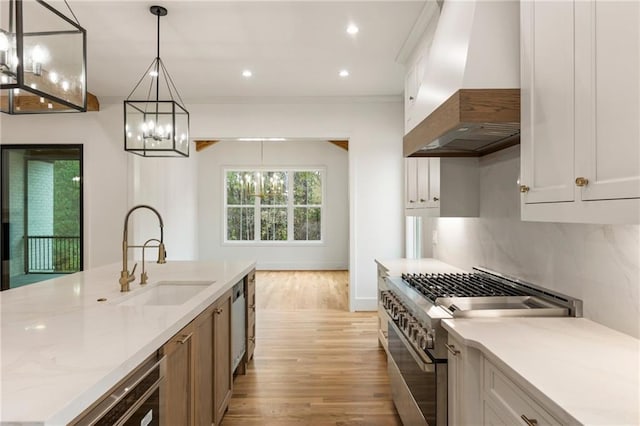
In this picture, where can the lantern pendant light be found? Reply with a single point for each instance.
(42, 59)
(155, 126)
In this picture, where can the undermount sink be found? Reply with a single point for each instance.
(167, 293)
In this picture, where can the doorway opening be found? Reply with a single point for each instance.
(42, 219)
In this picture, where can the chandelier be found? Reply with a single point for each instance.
(42, 59)
(156, 124)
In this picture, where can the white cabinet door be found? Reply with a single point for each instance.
(411, 182)
(423, 181)
(547, 75)
(608, 98)
(580, 135)
(434, 182)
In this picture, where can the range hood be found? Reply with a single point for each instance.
(468, 101)
(471, 123)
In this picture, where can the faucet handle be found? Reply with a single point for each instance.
(133, 271)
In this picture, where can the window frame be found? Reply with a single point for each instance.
(257, 242)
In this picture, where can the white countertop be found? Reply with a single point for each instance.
(588, 371)
(61, 349)
(396, 267)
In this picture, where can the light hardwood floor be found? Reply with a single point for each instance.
(315, 363)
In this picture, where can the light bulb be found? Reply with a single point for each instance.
(153, 73)
(4, 49)
(151, 125)
(39, 54)
(4, 42)
(53, 76)
(65, 85)
(38, 57)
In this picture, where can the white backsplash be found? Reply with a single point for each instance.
(599, 264)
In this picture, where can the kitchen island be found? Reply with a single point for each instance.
(62, 348)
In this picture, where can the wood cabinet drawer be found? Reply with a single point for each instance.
(506, 400)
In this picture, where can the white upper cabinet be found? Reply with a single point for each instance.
(580, 135)
(442, 187)
(420, 188)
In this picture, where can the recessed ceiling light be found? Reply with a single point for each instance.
(247, 73)
(344, 73)
(352, 29)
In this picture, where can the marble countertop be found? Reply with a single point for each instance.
(585, 370)
(61, 349)
(396, 267)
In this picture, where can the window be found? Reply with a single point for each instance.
(41, 231)
(273, 205)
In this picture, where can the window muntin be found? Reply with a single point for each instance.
(273, 205)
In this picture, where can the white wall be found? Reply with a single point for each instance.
(332, 253)
(599, 264)
(374, 130)
(105, 170)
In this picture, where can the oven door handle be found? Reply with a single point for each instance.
(424, 362)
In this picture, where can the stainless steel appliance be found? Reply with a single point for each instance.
(136, 400)
(416, 304)
(238, 327)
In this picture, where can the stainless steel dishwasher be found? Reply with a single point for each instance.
(136, 400)
(238, 324)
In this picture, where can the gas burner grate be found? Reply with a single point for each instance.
(433, 286)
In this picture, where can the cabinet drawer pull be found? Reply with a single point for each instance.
(184, 338)
(528, 421)
(252, 307)
(581, 181)
(452, 349)
(252, 339)
(218, 310)
(524, 189)
(436, 199)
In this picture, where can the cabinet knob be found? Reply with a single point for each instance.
(218, 310)
(422, 200)
(411, 98)
(252, 307)
(412, 201)
(581, 181)
(436, 199)
(253, 339)
(524, 189)
(528, 421)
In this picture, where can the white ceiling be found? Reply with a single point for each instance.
(293, 48)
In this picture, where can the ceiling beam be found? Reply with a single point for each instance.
(200, 144)
(32, 104)
(344, 144)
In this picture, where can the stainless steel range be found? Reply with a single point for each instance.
(416, 304)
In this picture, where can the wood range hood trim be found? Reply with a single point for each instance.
(471, 123)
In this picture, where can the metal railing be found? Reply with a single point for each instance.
(52, 255)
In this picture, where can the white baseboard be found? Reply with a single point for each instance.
(364, 304)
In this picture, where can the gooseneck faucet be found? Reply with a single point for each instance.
(125, 276)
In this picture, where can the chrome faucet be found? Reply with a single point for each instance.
(125, 276)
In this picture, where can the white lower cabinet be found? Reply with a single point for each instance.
(464, 384)
(506, 403)
(481, 393)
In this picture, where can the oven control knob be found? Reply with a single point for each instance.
(428, 341)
